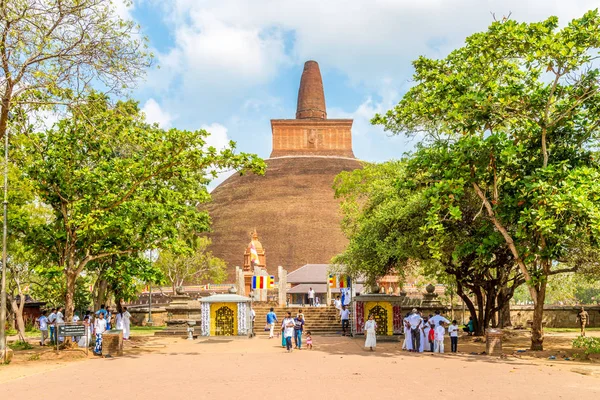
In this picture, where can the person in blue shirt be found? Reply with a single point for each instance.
(271, 320)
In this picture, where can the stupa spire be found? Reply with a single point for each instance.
(311, 98)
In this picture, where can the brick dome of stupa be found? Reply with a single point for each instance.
(292, 207)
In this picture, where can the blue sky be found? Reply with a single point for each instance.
(230, 66)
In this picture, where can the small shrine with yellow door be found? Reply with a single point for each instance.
(386, 310)
(226, 315)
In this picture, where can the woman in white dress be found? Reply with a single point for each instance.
(426, 329)
(370, 328)
(407, 345)
(126, 323)
(119, 321)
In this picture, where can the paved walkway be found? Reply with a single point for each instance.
(336, 368)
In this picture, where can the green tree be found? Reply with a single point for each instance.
(384, 215)
(114, 185)
(193, 265)
(513, 116)
(53, 51)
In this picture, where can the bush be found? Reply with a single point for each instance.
(20, 345)
(590, 345)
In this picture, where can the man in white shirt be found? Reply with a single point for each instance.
(435, 320)
(453, 331)
(311, 297)
(345, 316)
(288, 331)
(438, 346)
(415, 322)
(60, 320)
(99, 329)
(52, 321)
(43, 321)
(337, 303)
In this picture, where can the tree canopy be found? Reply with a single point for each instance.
(513, 116)
(54, 52)
(112, 185)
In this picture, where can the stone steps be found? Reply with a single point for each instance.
(319, 320)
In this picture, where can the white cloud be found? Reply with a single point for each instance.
(155, 114)
(218, 136)
(225, 51)
(369, 41)
(124, 8)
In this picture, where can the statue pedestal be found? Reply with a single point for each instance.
(430, 298)
(181, 310)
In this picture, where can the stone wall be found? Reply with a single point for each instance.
(555, 316)
(139, 317)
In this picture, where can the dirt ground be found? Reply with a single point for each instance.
(337, 366)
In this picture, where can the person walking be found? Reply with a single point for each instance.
(99, 329)
(298, 330)
(288, 331)
(43, 322)
(583, 318)
(345, 316)
(271, 320)
(119, 321)
(311, 297)
(337, 303)
(371, 329)
(126, 323)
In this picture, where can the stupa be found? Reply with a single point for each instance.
(292, 205)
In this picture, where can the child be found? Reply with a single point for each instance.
(438, 346)
(308, 340)
(453, 331)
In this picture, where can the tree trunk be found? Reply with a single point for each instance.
(472, 312)
(537, 328)
(504, 313)
(18, 312)
(70, 298)
(101, 289)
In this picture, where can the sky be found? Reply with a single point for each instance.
(230, 66)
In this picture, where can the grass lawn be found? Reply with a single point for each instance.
(145, 330)
(570, 330)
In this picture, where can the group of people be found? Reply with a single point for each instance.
(97, 324)
(290, 328)
(104, 320)
(49, 323)
(427, 333)
(420, 333)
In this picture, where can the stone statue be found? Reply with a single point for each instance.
(584, 319)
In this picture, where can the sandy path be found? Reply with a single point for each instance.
(337, 366)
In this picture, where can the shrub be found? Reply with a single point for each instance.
(590, 345)
(20, 345)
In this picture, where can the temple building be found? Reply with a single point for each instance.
(292, 206)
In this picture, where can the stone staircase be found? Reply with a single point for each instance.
(318, 320)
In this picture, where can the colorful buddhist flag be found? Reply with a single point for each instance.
(332, 281)
(253, 254)
(263, 282)
(339, 281)
(344, 281)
